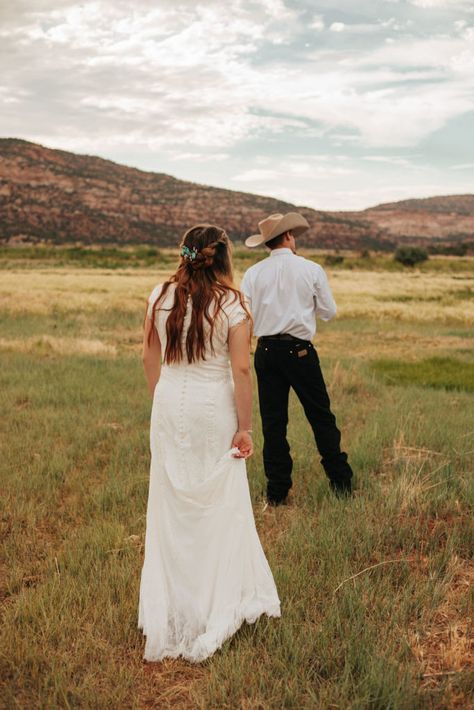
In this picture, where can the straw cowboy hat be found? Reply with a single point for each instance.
(278, 224)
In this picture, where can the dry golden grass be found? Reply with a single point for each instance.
(59, 346)
(430, 299)
(388, 343)
(406, 296)
(446, 645)
(396, 633)
(69, 290)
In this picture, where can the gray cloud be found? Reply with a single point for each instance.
(257, 78)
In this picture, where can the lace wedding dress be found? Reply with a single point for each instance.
(204, 571)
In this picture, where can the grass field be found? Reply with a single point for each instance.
(376, 592)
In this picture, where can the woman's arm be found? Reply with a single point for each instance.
(151, 355)
(239, 352)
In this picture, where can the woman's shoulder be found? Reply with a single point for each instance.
(155, 293)
(232, 299)
(158, 290)
(233, 308)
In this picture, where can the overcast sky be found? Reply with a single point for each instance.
(334, 105)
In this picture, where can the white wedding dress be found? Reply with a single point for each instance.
(204, 571)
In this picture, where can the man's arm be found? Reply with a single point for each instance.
(323, 298)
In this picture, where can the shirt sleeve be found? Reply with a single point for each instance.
(152, 299)
(323, 298)
(245, 288)
(235, 313)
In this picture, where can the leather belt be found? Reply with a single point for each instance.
(279, 336)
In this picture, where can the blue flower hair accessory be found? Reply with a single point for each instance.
(189, 254)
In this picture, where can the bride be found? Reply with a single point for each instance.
(204, 571)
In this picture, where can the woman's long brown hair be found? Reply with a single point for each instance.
(206, 279)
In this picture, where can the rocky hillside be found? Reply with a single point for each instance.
(449, 218)
(59, 197)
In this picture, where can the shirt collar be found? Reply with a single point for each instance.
(280, 251)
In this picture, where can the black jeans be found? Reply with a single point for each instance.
(281, 364)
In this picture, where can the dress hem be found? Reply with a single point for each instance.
(206, 650)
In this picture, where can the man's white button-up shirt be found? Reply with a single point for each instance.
(285, 293)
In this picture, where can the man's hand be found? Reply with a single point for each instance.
(243, 441)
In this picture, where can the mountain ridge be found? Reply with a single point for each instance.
(55, 196)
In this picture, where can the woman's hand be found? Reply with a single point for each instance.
(239, 353)
(243, 441)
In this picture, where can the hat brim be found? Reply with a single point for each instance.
(291, 222)
(255, 240)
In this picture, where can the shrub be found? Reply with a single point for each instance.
(333, 259)
(410, 256)
(450, 249)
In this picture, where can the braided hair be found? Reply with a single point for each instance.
(205, 276)
(205, 252)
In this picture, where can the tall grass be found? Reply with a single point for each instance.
(148, 255)
(445, 372)
(376, 608)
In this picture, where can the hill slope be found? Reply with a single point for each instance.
(61, 197)
(449, 218)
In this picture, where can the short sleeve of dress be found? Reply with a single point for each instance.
(152, 299)
(236, 314)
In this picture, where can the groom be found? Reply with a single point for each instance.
(285, 294)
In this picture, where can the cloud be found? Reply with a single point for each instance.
(276, 9)
(188, 79)
(295, 168)
(256, 175)
(317, 23)
(200, 157)
(428, 4)
(389, 159)
(339, 197)
(189, 75)
(174, 74)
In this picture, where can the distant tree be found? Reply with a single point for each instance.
(460, 249)
(410, 256)
(333, 259)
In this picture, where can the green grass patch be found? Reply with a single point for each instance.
(149, 255)
(465, 294)
(439, 372)
(365, 584)
(404, 298)
(100, 257)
